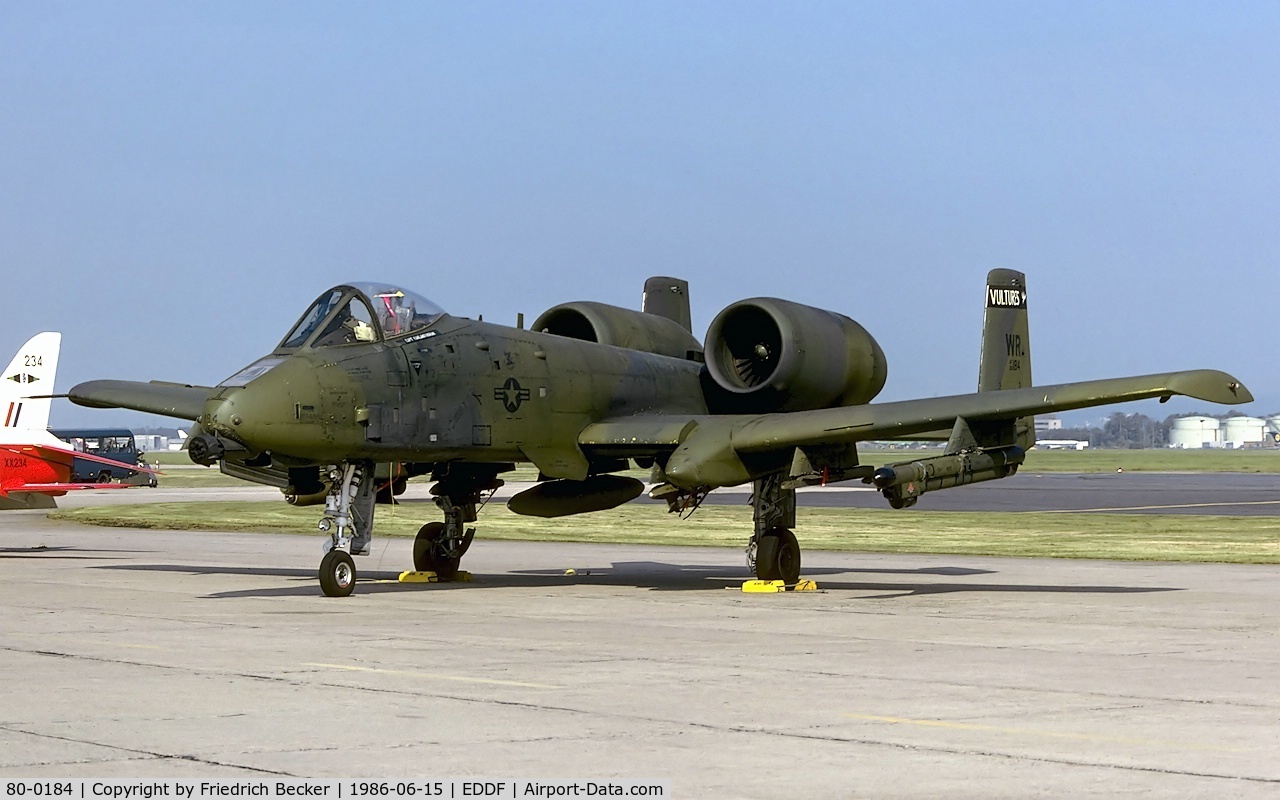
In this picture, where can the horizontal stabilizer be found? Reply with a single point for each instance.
(61, 488)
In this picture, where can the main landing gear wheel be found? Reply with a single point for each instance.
(431, 551)
(778, 556)
(337, 573)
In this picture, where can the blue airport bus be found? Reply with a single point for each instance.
(116, 444)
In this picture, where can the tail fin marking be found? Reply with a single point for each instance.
(1006, 343)
(31, 372)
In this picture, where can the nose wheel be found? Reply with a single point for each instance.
(337, 573)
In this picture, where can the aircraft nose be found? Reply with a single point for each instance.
(226, 413)
(220, 412)
(295, 408)
(257, 413)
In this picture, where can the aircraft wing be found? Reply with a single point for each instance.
(62, 455)
(167, 399)
(712, 450)
(907, 417)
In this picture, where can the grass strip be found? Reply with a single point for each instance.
(1130, 537)
(187, 476)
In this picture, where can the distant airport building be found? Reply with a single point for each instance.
(1195, 432)
(1046, 423)
(147, 442)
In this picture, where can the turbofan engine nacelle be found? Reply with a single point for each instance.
(620, 327)
(766, 355)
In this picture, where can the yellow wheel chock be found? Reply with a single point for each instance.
(766, 587)
(430, 577)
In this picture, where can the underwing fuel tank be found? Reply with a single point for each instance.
(902, 484)
(564, 497)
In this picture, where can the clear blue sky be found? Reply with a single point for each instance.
(179, 180)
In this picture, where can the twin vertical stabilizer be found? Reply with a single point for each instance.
(668, 297)
(1006, 343)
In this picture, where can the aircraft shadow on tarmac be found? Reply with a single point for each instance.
(64, 553)
(650, 575)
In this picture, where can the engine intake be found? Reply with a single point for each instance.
(620, 327)
(766, 355)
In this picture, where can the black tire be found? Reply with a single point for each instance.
(767, 557)
(788, 557)
(104, 476)
(337, 574)
(429, 555)
(778, 557)
(423, 561)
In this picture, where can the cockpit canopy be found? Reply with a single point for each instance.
(361, 312)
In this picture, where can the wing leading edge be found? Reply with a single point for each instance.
(712, 451)
(167, 399)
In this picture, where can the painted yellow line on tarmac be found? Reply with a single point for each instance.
(436, 677)
(1158, 508)
(1084, 737)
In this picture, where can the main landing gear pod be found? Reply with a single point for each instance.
(773, 552)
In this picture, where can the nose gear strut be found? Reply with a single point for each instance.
(348, 519)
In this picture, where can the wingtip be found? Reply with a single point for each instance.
(1211, 385)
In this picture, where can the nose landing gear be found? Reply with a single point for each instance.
(348, 519)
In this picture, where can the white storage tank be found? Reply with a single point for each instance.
(1273, 426)
(1195, 432)
(1239, 431)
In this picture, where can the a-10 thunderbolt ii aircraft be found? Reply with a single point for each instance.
(779, 398)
